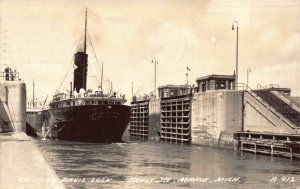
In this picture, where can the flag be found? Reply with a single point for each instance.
(187, 68)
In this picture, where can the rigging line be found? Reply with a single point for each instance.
(94, 68)
(70, 65)
(79, 43)
(101, 86)
(94, 51)
(95, 76)
(96, 58)
(105, 84)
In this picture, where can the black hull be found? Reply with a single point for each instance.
(89, 123)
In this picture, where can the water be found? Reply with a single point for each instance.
(159, 165)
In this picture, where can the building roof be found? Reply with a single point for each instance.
(174, 87)
(214, 76)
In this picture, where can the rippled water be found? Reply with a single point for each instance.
(147, 165)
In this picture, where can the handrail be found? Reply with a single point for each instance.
(243, 86)
(272, 86)
(264, 103)
(278, 114)
(282, 94)
(259, 87)
(290, 99)
(246, 88)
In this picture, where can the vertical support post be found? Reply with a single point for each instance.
(155, 62)
(132, 89)
(237, 55)
(248, 71)
(155, 79)
(33, 101)
(242, 146)
(272, 150)
(243, 111)
(101, 78)
(237, 52)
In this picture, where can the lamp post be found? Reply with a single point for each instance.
(248, 71)
(187, 78)
(154, 60)
(237, 52)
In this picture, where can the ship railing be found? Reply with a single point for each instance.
(87, 101)
(97, 94)
(34, 108)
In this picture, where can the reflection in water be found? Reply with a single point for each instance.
(161, 165)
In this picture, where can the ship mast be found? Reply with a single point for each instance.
(81, 63)
(101, 78)
(33, 95)
(85, 31)
(84, 74)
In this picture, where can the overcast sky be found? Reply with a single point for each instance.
(39, 38)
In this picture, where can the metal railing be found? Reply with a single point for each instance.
(289, 99)
(291, 102)
(260, 87)
(275, 112)
(246, 88)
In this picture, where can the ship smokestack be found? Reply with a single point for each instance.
(81, 61)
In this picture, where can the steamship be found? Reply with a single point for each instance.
(84, 115)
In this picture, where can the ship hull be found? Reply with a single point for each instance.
(89, 123)
(35, 122)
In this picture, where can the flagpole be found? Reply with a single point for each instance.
(187, 78)
(187, 75)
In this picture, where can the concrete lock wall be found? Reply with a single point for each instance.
(259, 118)
(13, 104)
(154, 119)
(216, 115)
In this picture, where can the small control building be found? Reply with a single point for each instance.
(215, 82)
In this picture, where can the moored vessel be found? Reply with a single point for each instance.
(84, 115)
(35, 116)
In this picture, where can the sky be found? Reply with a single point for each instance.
(39, 38)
